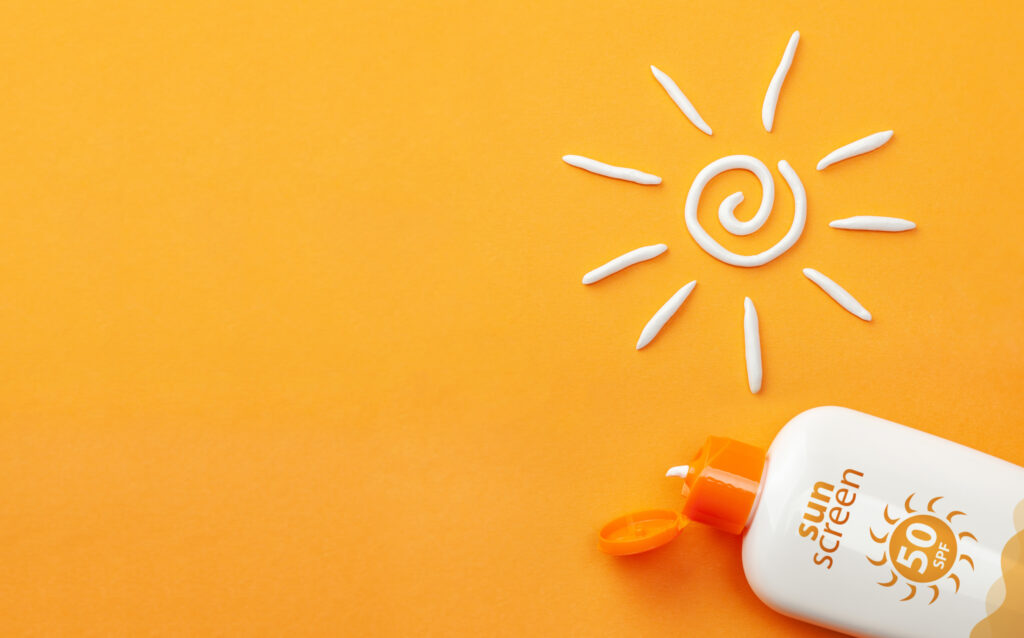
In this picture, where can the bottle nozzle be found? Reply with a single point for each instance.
(680, 470)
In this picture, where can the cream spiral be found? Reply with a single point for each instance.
(727, 214)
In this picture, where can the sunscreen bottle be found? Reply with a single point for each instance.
(860, 525)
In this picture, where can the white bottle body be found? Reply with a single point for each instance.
(863, 525)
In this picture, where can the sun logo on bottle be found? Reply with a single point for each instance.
(922, 548)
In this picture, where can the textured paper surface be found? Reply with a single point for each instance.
(291, 330)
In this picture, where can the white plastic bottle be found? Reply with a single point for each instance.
(860, 525)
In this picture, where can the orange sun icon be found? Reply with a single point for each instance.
(920, 548)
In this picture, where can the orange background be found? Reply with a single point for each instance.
(291, 329)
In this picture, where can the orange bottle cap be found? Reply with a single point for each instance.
(722, 483)
(721, 486)
(640, 532)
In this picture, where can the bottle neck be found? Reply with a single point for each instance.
(757, 496)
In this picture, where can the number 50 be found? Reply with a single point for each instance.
(923, 537)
